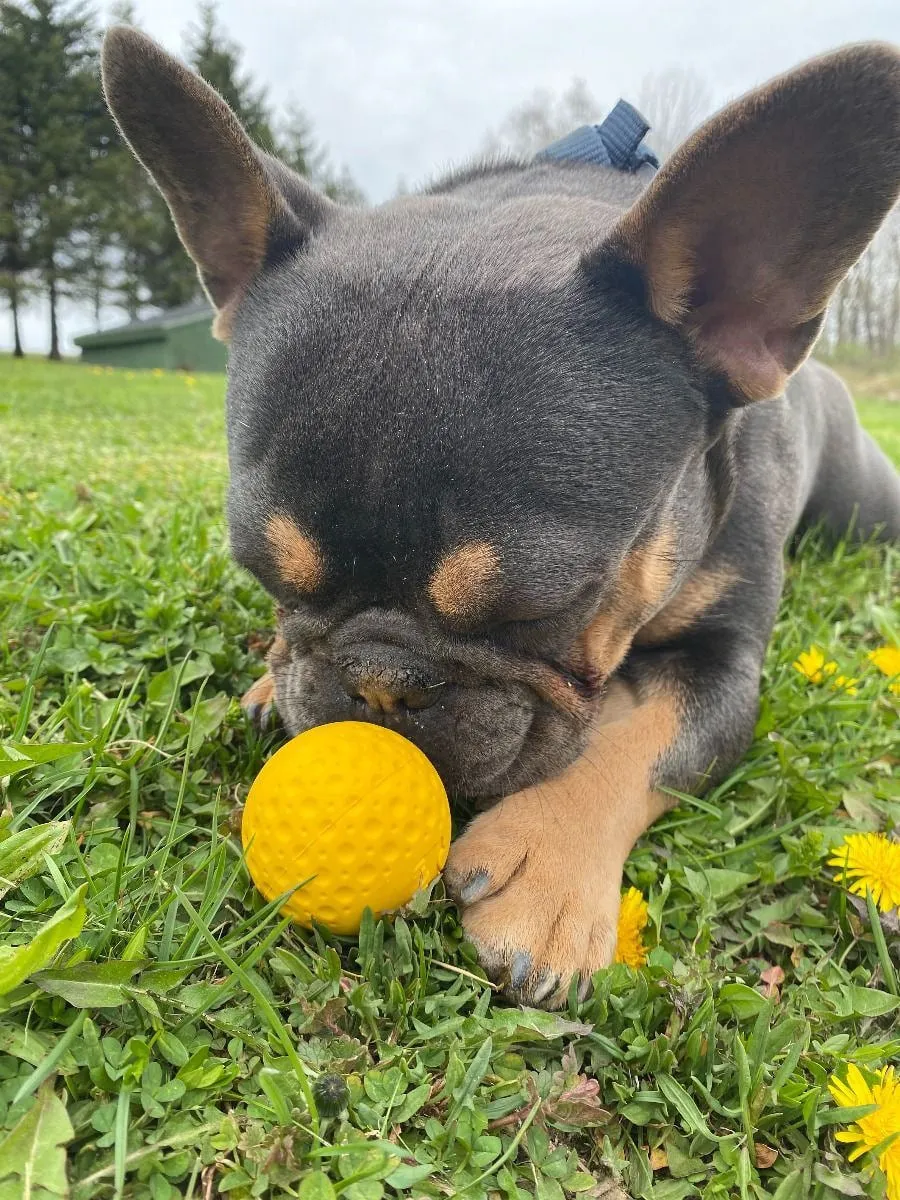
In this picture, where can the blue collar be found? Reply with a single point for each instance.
(616, 142)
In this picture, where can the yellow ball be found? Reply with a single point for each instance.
(355, 813)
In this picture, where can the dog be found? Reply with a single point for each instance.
(518, 457)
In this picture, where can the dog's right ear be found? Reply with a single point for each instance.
(229, 214)
(742, 237)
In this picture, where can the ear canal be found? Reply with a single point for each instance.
(225, 204)
(747, 230)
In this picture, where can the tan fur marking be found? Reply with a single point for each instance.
(296, 555)
(222, 324)
(260, 695)
(698, 594)
(643, 580)
(670, 267)
(554, 853)
(465, 579)
(378, 698)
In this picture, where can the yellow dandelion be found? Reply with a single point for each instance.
(157, 372)
(887, 660)
(870, 862)
(630, 948)
(868, 1132)
(190, 380)
(812, 665)
(843, 684)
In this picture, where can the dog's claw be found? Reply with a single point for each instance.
(520, 968)
(544, 986)
(474, 888)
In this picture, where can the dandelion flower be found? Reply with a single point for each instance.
(870, 862)
(812, 665)
(868, 1132)
(845, 685)
(887, 660)
(630, 948)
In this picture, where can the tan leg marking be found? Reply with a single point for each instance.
(538, 876)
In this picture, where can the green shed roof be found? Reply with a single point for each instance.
(150, 329)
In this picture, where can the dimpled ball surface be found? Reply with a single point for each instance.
(355, 810)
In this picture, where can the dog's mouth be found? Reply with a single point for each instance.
(491, 719)
(488, 734)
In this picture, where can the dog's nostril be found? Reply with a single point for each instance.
(389, 692)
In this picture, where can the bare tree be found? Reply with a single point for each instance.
(674, 102)
(543, 118)
(866, 307)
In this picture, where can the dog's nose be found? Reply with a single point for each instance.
(387, 689)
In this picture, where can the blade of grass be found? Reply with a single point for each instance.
(266, 1009)
(887, 967)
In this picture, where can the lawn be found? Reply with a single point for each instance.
(163, 1033)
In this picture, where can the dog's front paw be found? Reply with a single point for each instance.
(258, 702)
(538, 904)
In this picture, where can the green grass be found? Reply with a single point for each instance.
(165, 1030)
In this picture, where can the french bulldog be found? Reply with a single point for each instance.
(518, 456)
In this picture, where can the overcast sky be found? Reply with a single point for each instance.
(403, 88)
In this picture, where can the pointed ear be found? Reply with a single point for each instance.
(227, 207)
(745, 233)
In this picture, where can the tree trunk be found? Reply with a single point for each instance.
(54, 327)
(18, 352)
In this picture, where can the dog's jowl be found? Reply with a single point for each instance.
(518, 456)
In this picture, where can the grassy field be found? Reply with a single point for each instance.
(164, 1034)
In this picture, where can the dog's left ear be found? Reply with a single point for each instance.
(745, 233)
(234, 207)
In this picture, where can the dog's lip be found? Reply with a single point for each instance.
(493, 781)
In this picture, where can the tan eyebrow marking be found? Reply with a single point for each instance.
(297, 556)
(465, 579)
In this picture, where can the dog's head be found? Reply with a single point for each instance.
(475, 444)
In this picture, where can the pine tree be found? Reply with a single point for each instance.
(217, 58)
(15, 260)
(297, 147)
(62, 135)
